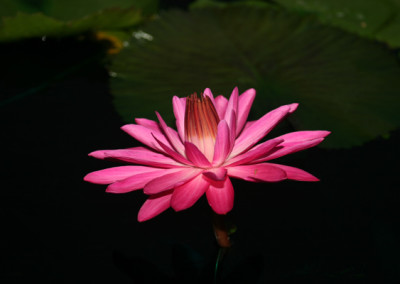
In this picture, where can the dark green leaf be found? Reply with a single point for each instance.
(343, 83)
(63, 18)
(12, 7)
(377, 19)
(76, 9)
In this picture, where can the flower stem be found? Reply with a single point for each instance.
(221, 231)
(221, 252)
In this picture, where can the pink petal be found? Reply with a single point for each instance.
(216, 174)
(170, 180)
(138, 155)
(187, 194)
(220, 196)
(245, 102)
(232, 106)
(222, 143)
(114, 174)
(196, 156)
(296, 141)
(220, 105)
(154, 205)
(150, 124)
(257, 173)
(172, 135)
(255, 153)
(296, 174)
(248, 124)
(145, 135)
(174, 155)
(207, 92)
(232, 129)
(99, 154)
(179, 112)
(293, 107)
(299, 136)
(138, 180)
(259, 129)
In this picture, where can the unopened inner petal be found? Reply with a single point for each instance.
(201, 123)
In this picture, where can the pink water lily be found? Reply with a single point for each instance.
(213, 143)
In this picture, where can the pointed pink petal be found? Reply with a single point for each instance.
(252, 155)
(138, 155)
(296, 174)
(222, 143)
(196, 156)
(179, 112)
(174, 155)
(170, 180)
(221, 104)
(259, 129)
(99, 154)
(114, 174)
(187, 194)
(145, 135)
(232, 107)
(207, 92)
(245, 102)
(296, 141)
(232, 129)
(154, 205)
(171, 135)
(220, 196)
(216, 174)
(299, 136)
(293, 107)
(138, 180)
(257, 173)
(150, 124)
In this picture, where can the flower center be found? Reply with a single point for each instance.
(201, 123)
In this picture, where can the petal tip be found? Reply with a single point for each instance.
(112, 189)
(141, 218)
(87, 177)
(125, 127)
(325, 133)
(293, 107)
(97, 154)
(235, 92)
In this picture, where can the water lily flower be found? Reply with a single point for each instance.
(213, 143)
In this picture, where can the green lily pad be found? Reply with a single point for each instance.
(64, 18)
(76, 9)
(376, 19)
(343, 83)
(11, 7)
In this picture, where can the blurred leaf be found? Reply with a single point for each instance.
(38, 25)
(198, 4)
(343, 83)
(378, 19)
(391, 31)
(374, 19)
(63, 18)
(11, 7)
(75, 9)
